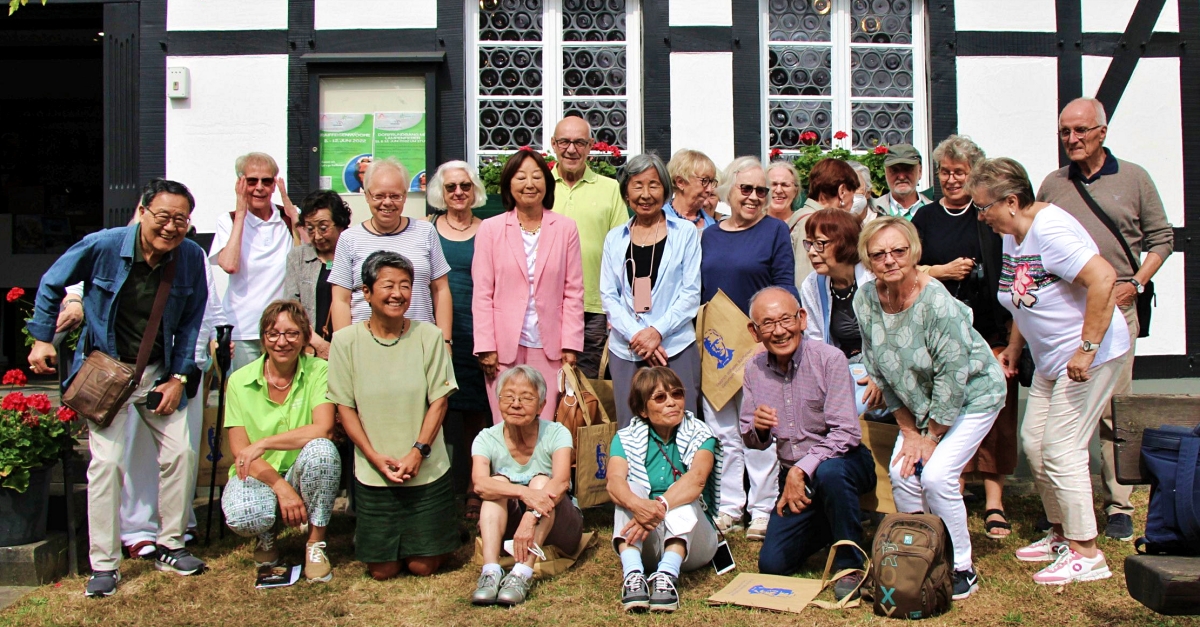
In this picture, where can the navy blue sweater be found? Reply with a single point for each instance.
(742, 262)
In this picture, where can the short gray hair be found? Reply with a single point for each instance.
(435, 194)
(958, 148)
(641, 163)
(770, 289)
(381, 259)
(867, 188)
(786, 165)
(735, 167)
(261, 158)
(530, 374)
(1001, 178)
(1101, 115)
(386, 163)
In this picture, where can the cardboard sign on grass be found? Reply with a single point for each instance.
(728, 346)
(768, 592)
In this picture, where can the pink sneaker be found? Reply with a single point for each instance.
(1044, 550)
(1071, 566)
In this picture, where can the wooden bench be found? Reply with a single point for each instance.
(1164, 583)
(1133, 414)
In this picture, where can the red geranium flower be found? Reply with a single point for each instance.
(840, 135)
(616, 152)
(31, 419)
(881, 150)
(525, 148)
(809, 137)
(14, 401)
(66, 414)
(14, 377)
(775, 153)
(39, 403)
(14, 294)
(601, 146)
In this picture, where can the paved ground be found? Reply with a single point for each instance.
(10, 594)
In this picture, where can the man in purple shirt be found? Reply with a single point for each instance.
(799, 394)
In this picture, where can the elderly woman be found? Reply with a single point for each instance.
(964, 254)
(938, 377)
(386, 185)
(650, 286)
(745, 253)
(831, 242)
(528, 273)
(323, 215)
(1060, 292)
(663, 473)
(861, 202)
(390, 377)
(522, 469)
(456, 190)
(279, 424)
(693, 177)
(784, 181)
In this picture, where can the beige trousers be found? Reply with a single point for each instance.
(1116, 496)
(106, 475)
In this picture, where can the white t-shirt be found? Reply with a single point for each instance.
(530, 336)
(418, 242)
(1036, 286)
(259, 279)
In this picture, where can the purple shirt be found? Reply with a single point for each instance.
(814, 403)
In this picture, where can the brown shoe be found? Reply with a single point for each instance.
(316, 565)
(265, 551)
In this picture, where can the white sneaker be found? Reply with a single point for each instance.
(758, 528)
(727, 524)
(1071, 566)
(1044, 550)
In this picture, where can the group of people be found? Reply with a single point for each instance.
(391, 351)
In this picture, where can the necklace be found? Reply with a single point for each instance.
(267, 367)
(900, 305)
(396, 341)
(849, 294)
(463, 229)
(379, 231)
(960, 212)
(527, 231)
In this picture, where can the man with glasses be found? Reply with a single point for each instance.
(1127, 196)
(799, 395)
(121, 269)
(902, 168)
(594, 202)
(252, 245)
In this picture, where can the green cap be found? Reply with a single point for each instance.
(902, 154)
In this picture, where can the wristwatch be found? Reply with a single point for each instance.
(1087, 346)
(182, 378)
(1137, 286)
(423, 449)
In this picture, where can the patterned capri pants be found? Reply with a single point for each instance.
(250, 506)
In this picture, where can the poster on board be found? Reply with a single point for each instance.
(401, 134)
(350, 140)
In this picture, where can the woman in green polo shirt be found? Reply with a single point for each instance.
(391, 377)
(279, 427)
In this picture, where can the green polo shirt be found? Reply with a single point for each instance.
(134, 303)
(658, 469)
(248, 404)
(596, 206)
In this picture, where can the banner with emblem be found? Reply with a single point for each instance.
(726, 347)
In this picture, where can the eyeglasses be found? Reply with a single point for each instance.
(466, 187)
(1081, 133)
(395, 198)
(321, 228)
(895, 253)
(817, 245)
(253, 182)
(956, 174)
(525, 399)
(161, 218)
(660, 397)
(273, 336)
(747, 190)
(705, 181)
(982, 209)
(579, 144)
(789, 322)
(638, 188)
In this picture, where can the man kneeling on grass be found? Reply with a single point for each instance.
(801, 395)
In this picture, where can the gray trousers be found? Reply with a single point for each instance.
(686, 364)
(700, 542)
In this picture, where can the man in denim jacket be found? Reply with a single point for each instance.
(121, 269)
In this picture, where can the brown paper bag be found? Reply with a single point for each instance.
(603, 388)
(727, 347)
(768, 592)
(591, 464)
(556, 562)
(880, 439)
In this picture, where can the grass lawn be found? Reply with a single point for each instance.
(587, 595)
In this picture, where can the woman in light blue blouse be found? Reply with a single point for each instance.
(650, 286)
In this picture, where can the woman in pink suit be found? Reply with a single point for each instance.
(528, 273)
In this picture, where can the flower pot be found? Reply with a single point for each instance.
(23, 516)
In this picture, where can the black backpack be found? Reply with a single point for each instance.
(1171, 456)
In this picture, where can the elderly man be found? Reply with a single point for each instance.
(1128, 198)
(902, 168)
(800, 395)
(252, 245)
(594, 202)
(121, 269)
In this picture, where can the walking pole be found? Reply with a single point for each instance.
(224, 332)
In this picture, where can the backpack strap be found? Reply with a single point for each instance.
(1187, 488)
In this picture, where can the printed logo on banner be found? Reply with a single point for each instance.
(714, 344)
(601, 471)
(774, 592)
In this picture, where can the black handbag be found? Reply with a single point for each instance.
(1145, 300)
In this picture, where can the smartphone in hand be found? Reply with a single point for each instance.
(153, 400)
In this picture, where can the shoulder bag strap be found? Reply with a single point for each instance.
(1103, 217)
(156, 314)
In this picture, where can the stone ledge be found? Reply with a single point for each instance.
(40, 563)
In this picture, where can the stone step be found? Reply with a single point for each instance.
(42, 562)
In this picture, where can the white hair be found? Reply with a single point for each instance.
(386, 163)
(1101, 115)
(435, 194)
(741, 164)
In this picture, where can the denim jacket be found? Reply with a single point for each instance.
(102, 261)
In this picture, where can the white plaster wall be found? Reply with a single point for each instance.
(1006, 15)
(1112, 16)
(1009, 106)
(227, 15)
(1168, 326)
(702, 115)
(699, 12)
(365, 14)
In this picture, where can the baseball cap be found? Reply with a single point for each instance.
(902, 154)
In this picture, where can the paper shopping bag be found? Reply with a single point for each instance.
(591, 464)
(727, 347)
(880, 439)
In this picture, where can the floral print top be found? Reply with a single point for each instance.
(928, 357)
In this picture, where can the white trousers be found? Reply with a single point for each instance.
(762, 466)
(936, 491)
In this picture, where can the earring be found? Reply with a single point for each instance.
(1012, 213)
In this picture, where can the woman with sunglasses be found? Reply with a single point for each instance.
(743, 254)
(693, 179)
(663, 474)
(323, 215)
(938, 377)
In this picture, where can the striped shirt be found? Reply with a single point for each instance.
(418, 242)
(814, 403)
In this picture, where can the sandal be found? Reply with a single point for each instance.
(472, 509)
(989, 526)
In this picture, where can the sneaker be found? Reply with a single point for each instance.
(849, 585)
(1120, 527)
(1071, 566)
(663, 596)
(757, 529)
(178, 561)
(316, 564)
(635, 593)
(265, 551)
(513, 589)
(727, 524)
(102, 583)
(1044, 550)
(965, 583)
(486, 588)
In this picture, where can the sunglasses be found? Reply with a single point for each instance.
(660, 397)
(466, 187)
(747, 190)
(252, 182)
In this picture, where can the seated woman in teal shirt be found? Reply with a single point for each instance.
(663, 473)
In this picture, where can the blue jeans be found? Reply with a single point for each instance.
(833, 515)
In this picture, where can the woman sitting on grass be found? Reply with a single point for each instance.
(521, 470)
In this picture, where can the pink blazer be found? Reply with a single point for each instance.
(502, 286)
